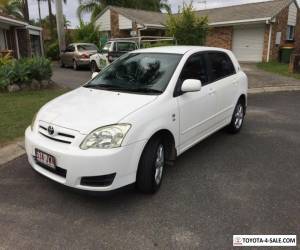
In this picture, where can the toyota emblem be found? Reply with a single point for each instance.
(50, 130)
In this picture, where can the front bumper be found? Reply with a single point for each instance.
(78, 164)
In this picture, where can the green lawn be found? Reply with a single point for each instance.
(277, 68)
(17, 110)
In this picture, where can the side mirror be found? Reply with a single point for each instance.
(94, 75)
(191, 85)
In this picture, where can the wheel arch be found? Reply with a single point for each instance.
(169, 142)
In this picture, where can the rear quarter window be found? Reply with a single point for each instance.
(221, 66)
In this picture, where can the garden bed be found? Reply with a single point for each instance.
(24, 74)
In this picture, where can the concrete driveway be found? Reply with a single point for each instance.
(69, 78)
(259, 78)
(242, 184)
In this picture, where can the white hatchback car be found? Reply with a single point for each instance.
(135, 117)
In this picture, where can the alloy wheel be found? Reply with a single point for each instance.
(159, 163)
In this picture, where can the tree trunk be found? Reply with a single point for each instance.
(39, 7)
(51, 18)
(25, 10)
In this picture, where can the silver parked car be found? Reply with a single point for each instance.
(77, 55)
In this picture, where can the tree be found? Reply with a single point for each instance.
(87, 33)
(51, 17)
(94, 7)
(187, 27)
(12, 7)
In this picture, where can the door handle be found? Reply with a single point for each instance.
(211, 92)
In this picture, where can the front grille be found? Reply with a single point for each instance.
(61, 134)
(98, 181)
(58, 171)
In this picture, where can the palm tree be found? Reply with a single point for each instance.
(51, 17)
(12, 7)
(94, 7)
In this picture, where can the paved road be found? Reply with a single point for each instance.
(243, 184)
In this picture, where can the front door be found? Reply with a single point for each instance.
(197, 109)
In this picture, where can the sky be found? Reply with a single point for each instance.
(71, 7)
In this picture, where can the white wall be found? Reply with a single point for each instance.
(104, 21)
(124, 23)
(292, 18)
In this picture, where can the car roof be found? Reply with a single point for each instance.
(82, 44)
(177, 49)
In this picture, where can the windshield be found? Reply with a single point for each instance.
(138, 72)
(84, 47)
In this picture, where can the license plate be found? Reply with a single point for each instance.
(45, 159)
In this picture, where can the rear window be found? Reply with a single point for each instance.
(221, 66)
(84, 47)
(125, 47)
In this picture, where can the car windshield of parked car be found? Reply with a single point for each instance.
(85, 47)
(138, 73)
(126, 46)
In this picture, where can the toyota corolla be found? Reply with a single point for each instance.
(136, 116)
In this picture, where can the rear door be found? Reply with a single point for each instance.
(223, 78)
(197, 109)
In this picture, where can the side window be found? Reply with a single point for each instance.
(221, 66)
(195, 68)
(71, 48)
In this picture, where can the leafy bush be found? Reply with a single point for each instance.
(40, 69)
(21, 72)
(187, 27)
(157, 44)
(5, 60)
(87, 33)
(24, 71)
(52, 51)
(6, 75)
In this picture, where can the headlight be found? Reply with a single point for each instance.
(33, 122)
(106, 137)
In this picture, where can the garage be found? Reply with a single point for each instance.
(248, 42)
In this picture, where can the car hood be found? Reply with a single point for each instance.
(86, 109)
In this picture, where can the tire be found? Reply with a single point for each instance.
(75, 65)
(151, 167)
(94, 67)
(237, 120)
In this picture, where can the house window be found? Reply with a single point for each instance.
(290, 33)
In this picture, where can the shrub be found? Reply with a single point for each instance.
(24, 71)
(157, 44)
(87, 33)
(5, 60)
(187, 27)
(21, 72)
(52, 51)
(6, 75)
(40, 69)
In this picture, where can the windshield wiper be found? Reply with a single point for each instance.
(106, 87)
(146, 90)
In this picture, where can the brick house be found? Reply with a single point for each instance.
(19, 38)
(254, 32)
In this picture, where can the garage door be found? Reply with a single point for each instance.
(248, 42)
